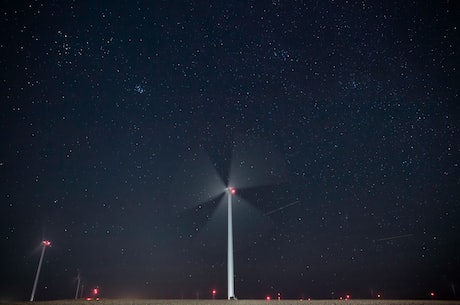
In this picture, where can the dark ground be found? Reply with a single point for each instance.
(244, 302)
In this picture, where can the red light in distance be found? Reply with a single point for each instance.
(46, 243)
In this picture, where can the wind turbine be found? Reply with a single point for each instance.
(44, 244)
(78, 285)
(249, 168)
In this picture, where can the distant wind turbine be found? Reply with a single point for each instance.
(78, 285)
(44, 244)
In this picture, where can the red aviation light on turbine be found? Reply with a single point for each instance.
(231, 190)
(46, 243)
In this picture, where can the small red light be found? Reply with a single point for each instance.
(268, 298)
(46, 243)
(95, 291)
(432, 294)
(379, 296)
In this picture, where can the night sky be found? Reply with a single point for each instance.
(340, 120)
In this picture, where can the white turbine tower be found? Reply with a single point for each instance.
(230, 270)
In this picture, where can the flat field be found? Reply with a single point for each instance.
(240, 302)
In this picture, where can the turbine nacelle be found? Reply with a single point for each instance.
(231, 190)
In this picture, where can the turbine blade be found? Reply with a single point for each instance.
(250, 224)
(212, 237)
(255, 163)
(249, 227)
(197, 181)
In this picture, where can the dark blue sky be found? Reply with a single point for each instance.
(108, 110)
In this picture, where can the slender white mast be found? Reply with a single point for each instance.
(230, 271)
(78, 285)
